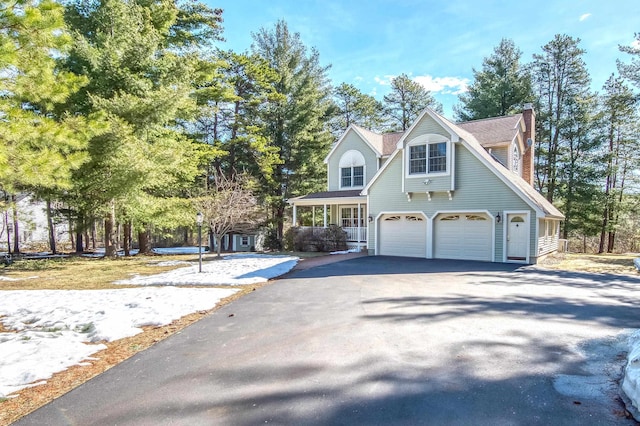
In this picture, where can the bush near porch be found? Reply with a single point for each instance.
(332, 238)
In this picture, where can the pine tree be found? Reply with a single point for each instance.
(560, 80)
(140, 59)
(40, 145)
(406, 101)
(354, 107)
(501, 88)
(296, 120)
(621, 146)
(631, 71)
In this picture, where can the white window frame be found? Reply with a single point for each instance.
(351, 160)
(353, 217)
(244, 241)
(427, 140)
(516, 159)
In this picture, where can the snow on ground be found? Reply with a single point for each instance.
(353, 250)
(54, 329)
(631, 379)
(236, 269)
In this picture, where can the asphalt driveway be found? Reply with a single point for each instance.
(378, 340)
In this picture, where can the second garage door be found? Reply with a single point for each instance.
(403, 235)
(465, 236)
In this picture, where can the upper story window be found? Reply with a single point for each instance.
(352, 170)
(515, 159)
(428, 154)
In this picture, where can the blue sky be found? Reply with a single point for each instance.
(437, 43)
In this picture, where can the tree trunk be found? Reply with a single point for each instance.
(127, 239)
(52, 229)
(219, 245)
(611, 241)
(144, 242)
(16, 228)
(79, 242)
(110, 249)
(94, 233)
(6, 223)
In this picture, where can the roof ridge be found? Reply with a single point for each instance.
(489, 118)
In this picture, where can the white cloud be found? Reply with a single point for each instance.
(635, 44)
(584, 16)
(358, 79)
(445, 85)
(384, 81)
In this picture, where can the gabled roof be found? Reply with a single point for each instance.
(492, 132)
(509, 177)
(372, 139)
(459, 133)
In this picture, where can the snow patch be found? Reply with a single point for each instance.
(236, 269)
(631, 379)
(53, 329)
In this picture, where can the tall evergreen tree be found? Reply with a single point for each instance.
(354, 107)
(560, 80)
(245, 85)
(621, 154)
(137, 58)
(40, 145)
(406, 101)
(631, 71)
(296, 121)
(501, 88)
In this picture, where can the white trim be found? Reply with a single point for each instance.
(426, 139)
(349, 160)
(453, 167)
(344, 135)
(487, 212)
(430, 238)
(505, 229)
(428, 111)
(377, 221)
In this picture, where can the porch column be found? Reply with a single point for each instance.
(313, 216)
(295, 215)
(359, 219)
(325, 217)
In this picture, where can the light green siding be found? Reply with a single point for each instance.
(351, 141)
(477, 188)
(426, 126)
(501, 154)
(436, 183)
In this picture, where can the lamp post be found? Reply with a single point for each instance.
(199, 219)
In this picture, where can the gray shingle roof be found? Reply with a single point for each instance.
(492, 132)
(332, 194)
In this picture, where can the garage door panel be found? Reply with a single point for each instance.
(403, 235)
(463, 236)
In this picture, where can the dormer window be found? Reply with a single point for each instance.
(427, 155)
(515, 159)
(352, 170)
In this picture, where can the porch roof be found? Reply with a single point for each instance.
(329, 197)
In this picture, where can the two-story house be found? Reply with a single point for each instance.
(439, 190)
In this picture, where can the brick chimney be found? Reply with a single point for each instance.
(529, 117)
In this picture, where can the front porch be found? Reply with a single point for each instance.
(346, 209)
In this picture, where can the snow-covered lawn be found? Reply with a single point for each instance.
(237, 269)
(54, 329)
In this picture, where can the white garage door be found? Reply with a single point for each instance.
(464, 236)
(403, 235)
